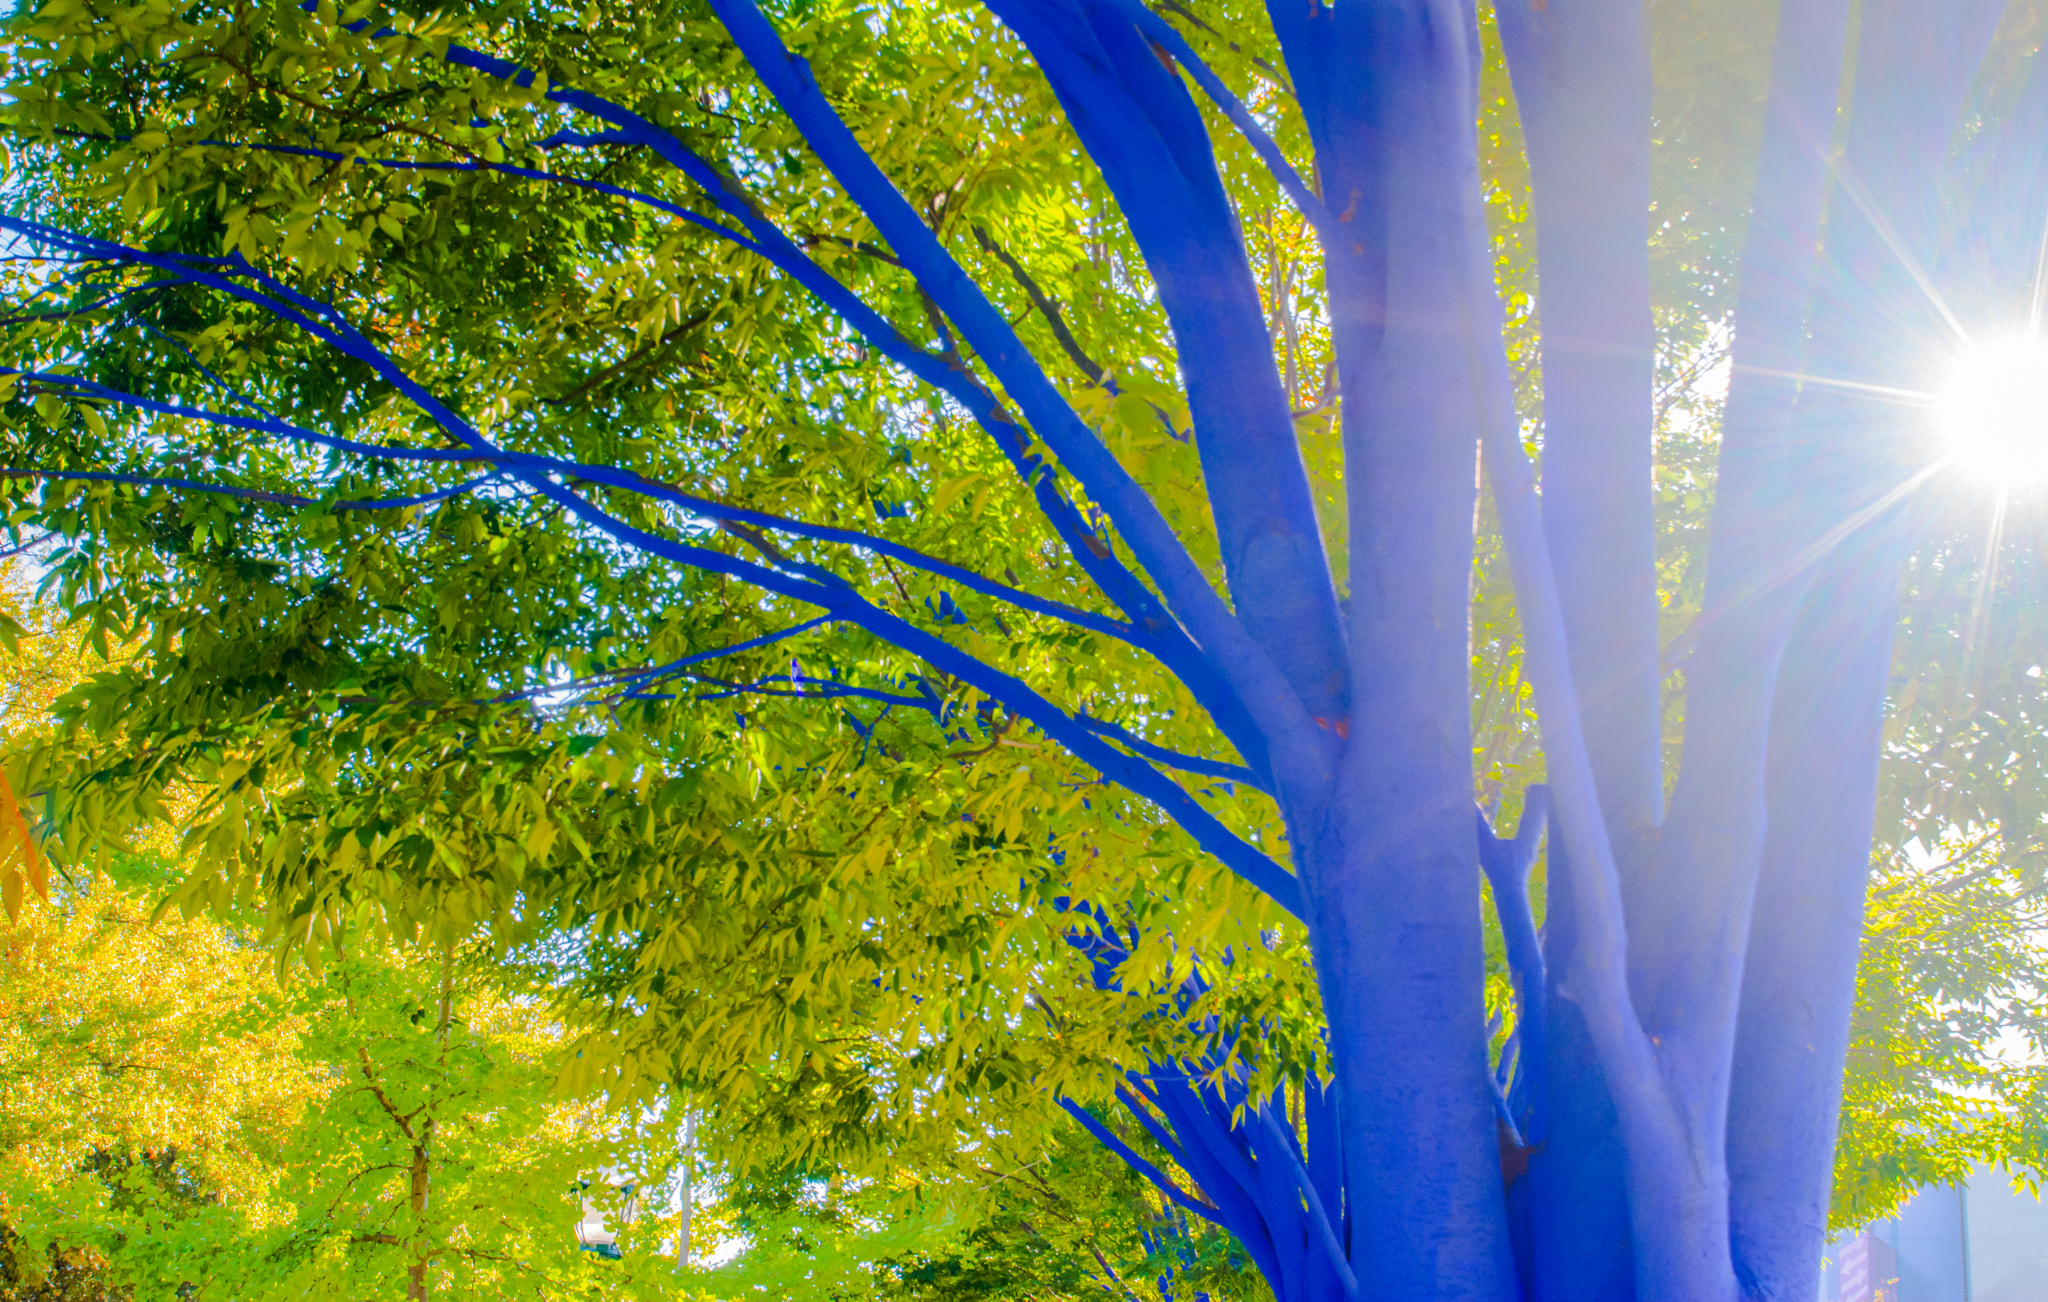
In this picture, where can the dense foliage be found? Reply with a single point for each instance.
(179, 1111)
(592, 736)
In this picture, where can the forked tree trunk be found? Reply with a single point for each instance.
(1666, 1135)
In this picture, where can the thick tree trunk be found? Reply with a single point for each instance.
(1577, 1206)
(1392, 860)
(1798, 986)
(1581, 71)
(1582, 89)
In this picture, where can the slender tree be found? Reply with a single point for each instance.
(1662, 1126)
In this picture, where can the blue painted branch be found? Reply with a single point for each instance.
(1393, 858)
(629, 678)
(707, 507)
(1238, 1202)
(1156, 28)
(1507, 864)
(1284, 1121)
(1680, 1260)
(327, 324)
(711, 508)
(1140, 779)
(1142, 130)
(1581, 72)
(1799, 977)
(1776, 276)
(1752, 591)
(228, 276)
(1220, 1155)
(1302, 30)
(110, 299)
(800, 689)
(640, 197)
(1108, 1139)
(1256, 681)
(1172, 758)
(1325, 1151)
(248, 494)
(297, 433)
(1281, 1147)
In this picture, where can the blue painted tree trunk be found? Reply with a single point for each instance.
(1664, 1133)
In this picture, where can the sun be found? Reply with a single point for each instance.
(1992, 412)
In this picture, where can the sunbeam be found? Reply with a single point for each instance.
(1851, 188)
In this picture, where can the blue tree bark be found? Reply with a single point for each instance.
(1387, 91)
(1798, 990)
(1581, 74)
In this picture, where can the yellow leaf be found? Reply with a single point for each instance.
(21, 867)
(540, 838)
(951, 492)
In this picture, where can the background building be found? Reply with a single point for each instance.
(1982, 1243)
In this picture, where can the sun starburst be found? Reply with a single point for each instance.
(1992, 411)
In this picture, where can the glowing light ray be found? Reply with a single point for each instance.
(1799, 565)
(1899, 250)
(1814, 552)
(1977, 628)
(1912, 397)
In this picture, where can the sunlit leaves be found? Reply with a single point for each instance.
(813, 880)
(147, 1067)
(1945, 1064)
